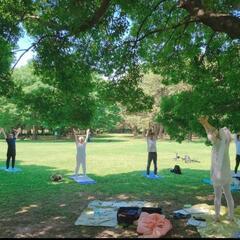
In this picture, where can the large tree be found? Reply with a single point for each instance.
(190, 41)
(40, 104)
(48, 106)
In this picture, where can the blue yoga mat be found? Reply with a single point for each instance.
(152, 176)
(83, 179)
(234, 188)
(11, 170)
(207, 181)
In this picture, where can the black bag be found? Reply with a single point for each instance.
(127, 215)
(176, 169)
(151, 210)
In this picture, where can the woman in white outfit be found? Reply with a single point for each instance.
(220, 166)
(81, 152)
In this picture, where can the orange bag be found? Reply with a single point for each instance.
(153, 225)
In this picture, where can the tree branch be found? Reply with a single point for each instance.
(219, 22)
(157, 30)
(95, 19)
(26, 50)
(18, 50)
(147, 16)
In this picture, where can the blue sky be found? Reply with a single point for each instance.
(24, 43)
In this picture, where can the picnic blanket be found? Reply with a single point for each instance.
(209, 228)
(222, 229)
(81, 179)
(104, 213)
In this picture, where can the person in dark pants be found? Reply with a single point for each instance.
(237, 142)
(152, 151)
(11, 151)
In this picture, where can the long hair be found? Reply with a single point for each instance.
(228, 134)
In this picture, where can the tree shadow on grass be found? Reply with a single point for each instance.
(46, 141)
(100, 140)
(34, 206)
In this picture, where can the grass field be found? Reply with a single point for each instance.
(33, 206)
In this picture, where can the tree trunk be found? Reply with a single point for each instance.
(144, 132)
(161, 131)
(219, 22)
(156, 128)
(135, 131)
(42, 130)
(190, 137)
(35, 133)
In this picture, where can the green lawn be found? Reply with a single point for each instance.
(33, 206)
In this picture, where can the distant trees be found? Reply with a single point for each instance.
(36, 104)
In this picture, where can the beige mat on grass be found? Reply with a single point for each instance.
(104, 213)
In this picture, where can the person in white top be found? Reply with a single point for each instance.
(152, 151)
(220, 166)
(237, 142)
(81, 151)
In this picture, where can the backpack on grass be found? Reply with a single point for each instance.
(176, 170)
(127, 215)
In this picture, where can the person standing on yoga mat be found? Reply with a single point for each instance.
(237, 142)
(220, 166)
(11, 141)
(152, 151)
(81, 151)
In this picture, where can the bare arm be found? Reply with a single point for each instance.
(155, 134)
(210, 130)
(208, 127)
(147, 133)
(18, 131)
(88, 132)
(75, 135)
(3, 132)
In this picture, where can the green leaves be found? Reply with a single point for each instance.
(74, 40)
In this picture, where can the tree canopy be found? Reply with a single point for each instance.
(195, 42)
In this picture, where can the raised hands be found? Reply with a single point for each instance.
(3, 132)
(74, 131)
(203, 119)
(18, 131)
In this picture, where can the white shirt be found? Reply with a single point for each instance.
(81, 150)
(151, 145)
(237, 142)
(220, 165)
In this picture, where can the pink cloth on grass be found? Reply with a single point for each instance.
(153, 225)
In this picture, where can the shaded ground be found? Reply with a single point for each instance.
(61, 204)
(30, 221)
